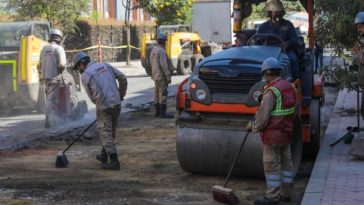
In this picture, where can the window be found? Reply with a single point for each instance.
(41, 31)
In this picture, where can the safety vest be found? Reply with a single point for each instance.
(280, 127)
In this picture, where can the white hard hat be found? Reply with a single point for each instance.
(56, 32)
(271, 64)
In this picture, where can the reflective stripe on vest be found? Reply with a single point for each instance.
(278, 111)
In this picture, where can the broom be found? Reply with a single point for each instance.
(62, 161)
(224, 194)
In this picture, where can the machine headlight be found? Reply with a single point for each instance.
(201, 94)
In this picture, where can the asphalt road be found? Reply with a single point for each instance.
(22, 125)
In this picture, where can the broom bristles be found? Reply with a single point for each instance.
(61, 161)
(224, 195)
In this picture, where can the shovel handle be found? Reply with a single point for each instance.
(350, 130)
(337, 141)
(79, 136)
(236, 158)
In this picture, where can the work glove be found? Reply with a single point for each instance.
(258, 96)
(249, 126)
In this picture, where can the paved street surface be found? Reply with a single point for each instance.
(23, 125)
(337, 177)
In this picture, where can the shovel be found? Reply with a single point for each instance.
(62, 161)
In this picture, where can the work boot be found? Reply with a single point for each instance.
(266, 201)
(113, 164)
(157, 110)
(163, 110)
(102, 157)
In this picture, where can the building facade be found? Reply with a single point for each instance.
(115, 9)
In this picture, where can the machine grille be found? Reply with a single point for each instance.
(237, 84)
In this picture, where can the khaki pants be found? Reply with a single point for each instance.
(107, 121)
(160, 91)
(51, 90)
(278, 170)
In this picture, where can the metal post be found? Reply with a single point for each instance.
(99, 50)
(311, 33)
(358, 107)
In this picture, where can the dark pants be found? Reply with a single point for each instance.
(294, 64)
(319, 58)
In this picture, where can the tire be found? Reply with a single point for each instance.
(146, 65)
(184, 65)
(195, 59)
(146, 61)
(297, 145)
(312, 148)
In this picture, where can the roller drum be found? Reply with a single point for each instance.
(211, 151)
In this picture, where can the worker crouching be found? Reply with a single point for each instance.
(99, 81)
(275, 120)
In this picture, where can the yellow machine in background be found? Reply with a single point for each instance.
(20, 46)
(183, 48)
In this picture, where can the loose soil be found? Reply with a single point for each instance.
(150, 173)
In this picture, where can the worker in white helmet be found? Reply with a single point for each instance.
(274, 120)
(51, 65)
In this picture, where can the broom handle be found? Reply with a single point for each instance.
(236, 158)
(79, 136)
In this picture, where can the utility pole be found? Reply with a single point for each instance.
(127, 29)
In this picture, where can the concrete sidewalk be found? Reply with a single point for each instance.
(337, 178)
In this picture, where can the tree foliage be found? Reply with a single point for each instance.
(59, 13)
(169, 11)
(335, 23)
(334, 28)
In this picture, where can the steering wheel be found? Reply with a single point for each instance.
(265, 39)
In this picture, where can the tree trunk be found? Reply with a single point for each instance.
(127, 27)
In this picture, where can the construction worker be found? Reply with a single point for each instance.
(274, 120)
(319, 58)
(161, 75)
(51, 65)
(285, 30)
(99, 81)
(358, 54)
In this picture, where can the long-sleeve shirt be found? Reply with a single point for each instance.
(284, 29)
(99, 81)
(52, 60)
(159, 62)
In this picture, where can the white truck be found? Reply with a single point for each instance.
(211, 19)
